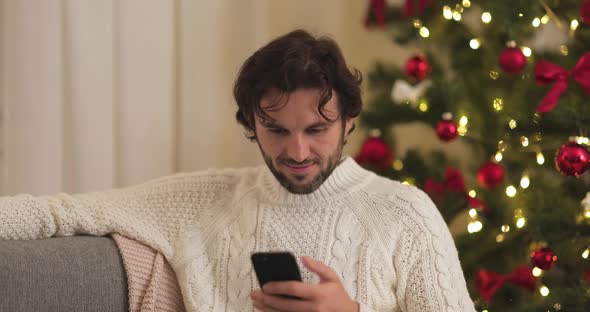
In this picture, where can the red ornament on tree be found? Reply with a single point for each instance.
(446, 129)
(585, 12)
(512, 60)
(417, 67)
(543, 258)
(572, 159)
(375, 152)
(490, 175)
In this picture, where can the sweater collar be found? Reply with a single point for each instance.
(346, 177)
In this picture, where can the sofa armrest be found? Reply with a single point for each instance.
(80, 273)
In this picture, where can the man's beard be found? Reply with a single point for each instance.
(332, 162)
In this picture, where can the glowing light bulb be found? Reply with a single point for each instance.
(586, 253)
(423, 106)
(463, 121)
(424, 32)
(447, 12)
(512, 124)
(525, 181)
(474, 43)
(499, 238)
(505, 228)
(537, 272)
(574, 25)
(486, 17)
(545, 19)
(472, 193)
(398, 165)
(474, 226)
(511, 191)
(536, 22)
(466, 3)
(540, 158)
(498, 156)
(472, 213)
(524, 141)
(520, 222)
(527, 51)
(498, 104)
(544, 291)
(457, 16)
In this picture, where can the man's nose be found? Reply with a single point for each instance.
(298, 148)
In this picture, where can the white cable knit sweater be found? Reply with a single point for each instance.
(387, 241)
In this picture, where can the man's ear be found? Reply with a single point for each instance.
(349, 126)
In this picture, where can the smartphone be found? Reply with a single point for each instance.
(275, 266)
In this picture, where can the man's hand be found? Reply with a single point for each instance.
(328, 295)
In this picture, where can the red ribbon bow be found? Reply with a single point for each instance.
(453, 183)
(547, 72)
(488, 282)
(410, 8)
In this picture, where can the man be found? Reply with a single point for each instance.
(367, 243)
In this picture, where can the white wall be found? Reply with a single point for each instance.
(101, 94)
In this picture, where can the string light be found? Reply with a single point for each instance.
(457, 16)
(417, 23)
(424, 32)
(544, 291)
(524, 141)
(512, 124)
(494, 74)
(511, 191)
(447, 12)
(520, 222)
(527, 51)
(563, 50)
(582, 140)
(586, 253)
(525, 181)
(499, 238)
(574, 25)
(474, 226)
(537, 272)
(486, 17)
(474, 43)
(498, 104)
(540, 158)
(466, 3)
(536, 22)
(498, 156)
(545, 19)
(505, 228)
(398, 165)
(472, 193)
(423, 106)
(473, 213)
(502, 146)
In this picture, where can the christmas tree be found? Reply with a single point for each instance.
(511, 79)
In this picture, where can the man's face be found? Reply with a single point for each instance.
(300, 147)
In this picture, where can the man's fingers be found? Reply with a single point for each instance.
(325, 273)
(291, 288)
(267, 302)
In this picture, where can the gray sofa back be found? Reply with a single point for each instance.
(80, 273)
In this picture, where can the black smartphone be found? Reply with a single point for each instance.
(275, 266)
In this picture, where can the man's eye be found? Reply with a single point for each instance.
(277, 131)
(315, 130)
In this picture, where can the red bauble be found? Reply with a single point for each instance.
(375, 152)
(543, 258)
(446, 130)
(512, 60)
(417, 67)
(585, 12)
(490, 175)
(572, 159)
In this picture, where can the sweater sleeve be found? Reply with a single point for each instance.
(431, 278)
(153, 213)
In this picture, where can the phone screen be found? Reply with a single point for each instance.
(275, 266)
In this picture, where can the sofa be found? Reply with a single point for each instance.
(80, 273)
